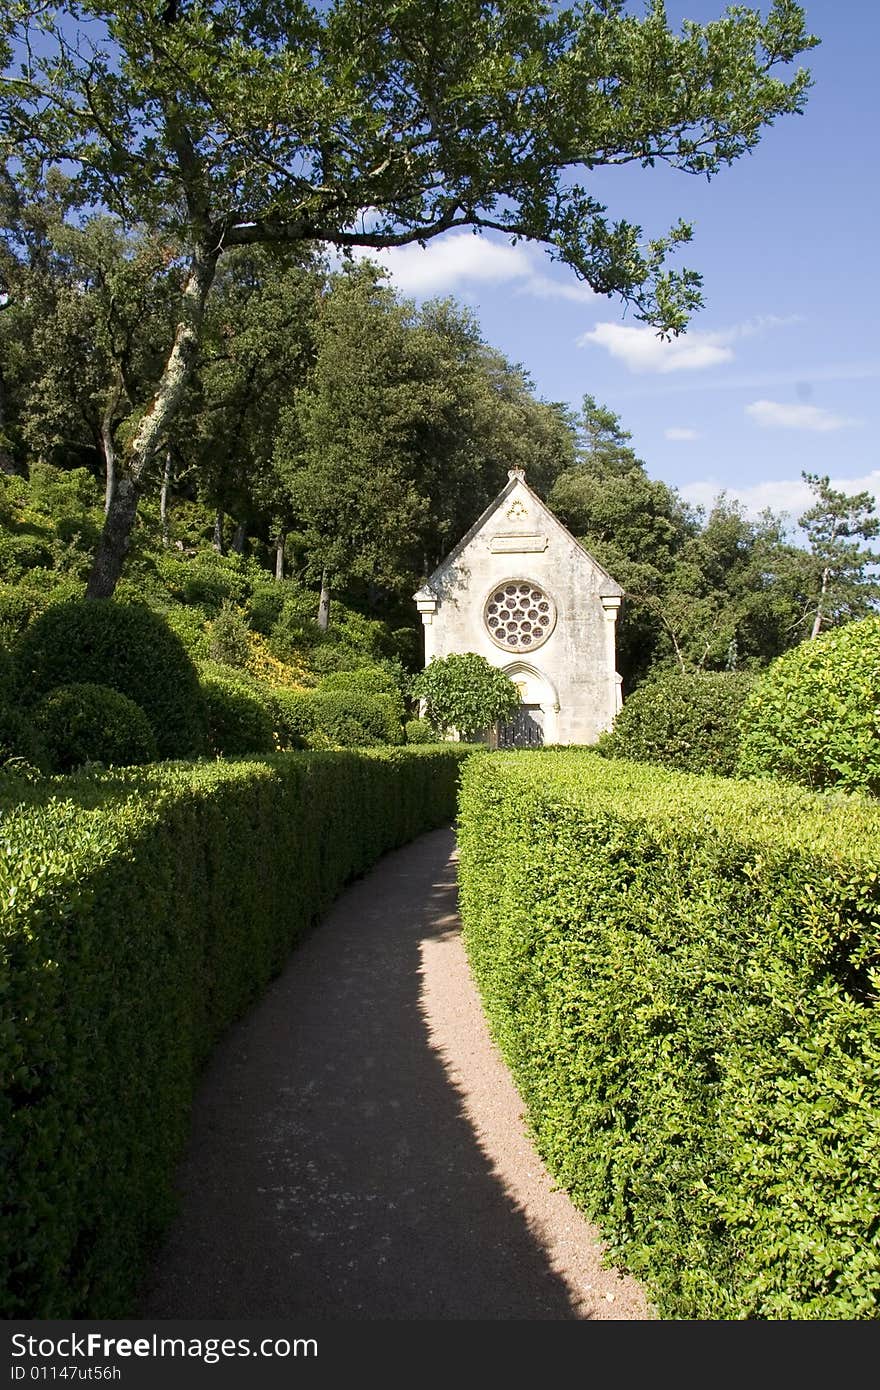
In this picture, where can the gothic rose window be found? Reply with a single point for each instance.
(519, 616)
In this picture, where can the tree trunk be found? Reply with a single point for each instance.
(163, 498)
(218, 542)
(238, 539)
(115, 540)
(108, 449)
(820, 606)
(122, 512)
(279, 554)
(324, 602)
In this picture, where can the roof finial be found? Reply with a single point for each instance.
(517, 473)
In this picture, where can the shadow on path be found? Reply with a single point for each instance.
(331, 1171)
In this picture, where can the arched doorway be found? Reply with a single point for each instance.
(535, 721)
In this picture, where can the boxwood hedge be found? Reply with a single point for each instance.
(142, 912)
(682, 973)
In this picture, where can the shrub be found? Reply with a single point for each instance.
(339, 719)
(228, 637)
(681, 972)
(239, 721)
(371, 680)
(206, 579)
(22, 602)
(689, 722)
(466, 693)
(190, 623)
(85, 723)
(19, 740)
(131, 649)
(418, 731)
(814, 717)
(143, 913)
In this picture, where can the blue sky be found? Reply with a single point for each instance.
(781, 370)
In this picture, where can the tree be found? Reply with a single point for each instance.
(465, 692)
(841, 586)
(632, 524)
(245, 122)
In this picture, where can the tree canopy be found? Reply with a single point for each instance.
(245, 122)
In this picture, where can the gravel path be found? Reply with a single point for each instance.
(358, 1149)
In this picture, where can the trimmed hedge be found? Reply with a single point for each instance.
(419, 731)
(815, 715)
(687, 722)
(86, 723)
(144, 912)
(338, 719)
(128, 647)
(682, 974)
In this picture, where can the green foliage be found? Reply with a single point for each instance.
(466, 693)
(418, 731)
(87, 723)
(339, 718)
(239, 721)
(842, 583)
(20, 603)
(682, 974)
(19, 740)
(689, 722)
(191, 624)
(206, 579)
(144, 912)
(228, 637)
(814, 717)
(372, 680)
(131, 649)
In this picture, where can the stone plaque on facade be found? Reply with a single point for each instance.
(517, 545)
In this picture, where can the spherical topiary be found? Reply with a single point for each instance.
(239, 721)
(88, 723)
(131, 649)
(814, 717)
(688, 722)
(418, 731)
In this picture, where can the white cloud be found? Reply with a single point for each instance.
(788, 495)
(448, 261)
(778, 415)
(681, 432)
(643, 351)
(461, 260)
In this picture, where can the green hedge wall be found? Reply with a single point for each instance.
(142, 913)
(682, 973)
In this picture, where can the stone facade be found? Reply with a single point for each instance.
(520, 590)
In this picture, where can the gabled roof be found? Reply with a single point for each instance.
(515, 478)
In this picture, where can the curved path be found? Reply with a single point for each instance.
(358, 1149)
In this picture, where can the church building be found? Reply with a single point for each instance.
(519, 590)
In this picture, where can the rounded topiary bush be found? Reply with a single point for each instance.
(127, 647)
(88, 723)
(239, 721)
(688, 722)
(814, 717)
